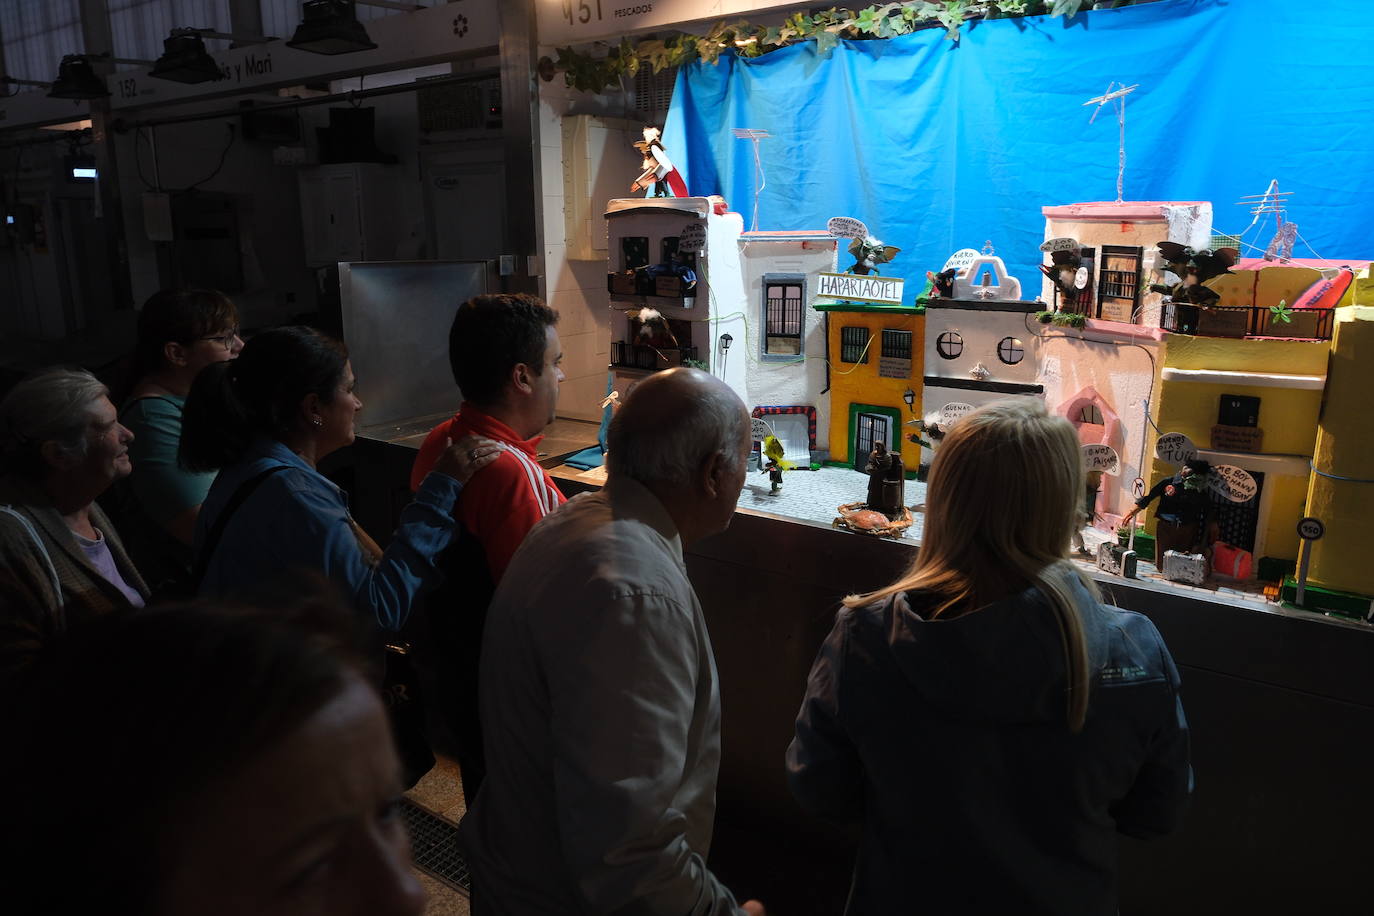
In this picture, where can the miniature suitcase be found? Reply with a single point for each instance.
(1115, 559)
(1232, 562)
(1184, 567)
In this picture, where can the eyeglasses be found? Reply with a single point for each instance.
(224, 340)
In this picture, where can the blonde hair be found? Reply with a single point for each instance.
(1002, 501)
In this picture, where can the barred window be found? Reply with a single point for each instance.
(896, 344)
(854, 345)
(782, 315)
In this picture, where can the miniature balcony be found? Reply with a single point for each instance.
(632, 284)
(635, 356)
(1246, 321)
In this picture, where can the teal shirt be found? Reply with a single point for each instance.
(163, 490)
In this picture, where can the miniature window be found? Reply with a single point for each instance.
(949, 345)
(1091, 413)
(1118, 291)
(1010, 350)
(1239, 410)
(896, 344)
(782, 315)
(853, 345)
(672, 253)
(634, 252)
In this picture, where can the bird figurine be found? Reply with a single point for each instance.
(653, 329)
(1194, 269)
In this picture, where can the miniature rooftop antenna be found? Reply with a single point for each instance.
(1117, 95)
(755, 134)
(1276, 202)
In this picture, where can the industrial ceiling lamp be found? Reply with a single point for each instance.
(185, 60)
(330, 27)
(76, 79)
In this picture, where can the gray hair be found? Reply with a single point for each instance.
(671, 447)
(51, 405)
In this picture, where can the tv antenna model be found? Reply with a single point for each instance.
(755, 135)
(1118, 95)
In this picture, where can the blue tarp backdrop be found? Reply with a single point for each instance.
(939, 146)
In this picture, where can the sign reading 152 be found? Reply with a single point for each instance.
(583, 10)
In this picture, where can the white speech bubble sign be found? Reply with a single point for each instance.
(1060, 244)
(1101, 458)
(759, 430)
(953, 412)
(1233, 483)
(692, 237)
(1175, 448)
(962, 259)
(845, 227)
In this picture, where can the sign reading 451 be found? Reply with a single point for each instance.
(562, 21)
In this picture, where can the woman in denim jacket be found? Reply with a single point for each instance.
(988, 722)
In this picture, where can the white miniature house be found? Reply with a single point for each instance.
(784, 352)
(678, 258)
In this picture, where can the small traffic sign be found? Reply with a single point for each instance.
(1138, 487)
(1311, 529)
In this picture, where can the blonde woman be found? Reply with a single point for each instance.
(988, 722)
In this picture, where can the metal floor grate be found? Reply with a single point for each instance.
(434, 846)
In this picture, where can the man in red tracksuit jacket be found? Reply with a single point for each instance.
(505, 355)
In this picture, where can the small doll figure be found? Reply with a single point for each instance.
(774, 475)
(658, 169)
(773, 451)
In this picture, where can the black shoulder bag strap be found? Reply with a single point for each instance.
(245, 490)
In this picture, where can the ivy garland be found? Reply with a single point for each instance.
(585, 73)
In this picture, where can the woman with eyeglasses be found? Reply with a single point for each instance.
(180, 332)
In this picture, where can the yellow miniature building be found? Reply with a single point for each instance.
(1340, 493)
(875, 362)
(1252, 403)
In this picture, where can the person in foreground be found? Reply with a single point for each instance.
(599, 692)
(264, 421)
(180, 332)
(985, 718)
(61, 561)
(504, 351)
(243, 765)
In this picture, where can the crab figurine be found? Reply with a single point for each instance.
(857, 517)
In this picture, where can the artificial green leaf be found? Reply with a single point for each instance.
(826, 40)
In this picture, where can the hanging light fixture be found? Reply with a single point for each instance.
(76, 79)
(330, 27)
(185, 60)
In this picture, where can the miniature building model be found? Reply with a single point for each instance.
(678, 259)
(1118, 245)
(784, 351)
(875, 365)
(978, 351)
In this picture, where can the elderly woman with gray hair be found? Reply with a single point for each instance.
(61, 446)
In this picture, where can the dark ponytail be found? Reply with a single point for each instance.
(258, 394)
